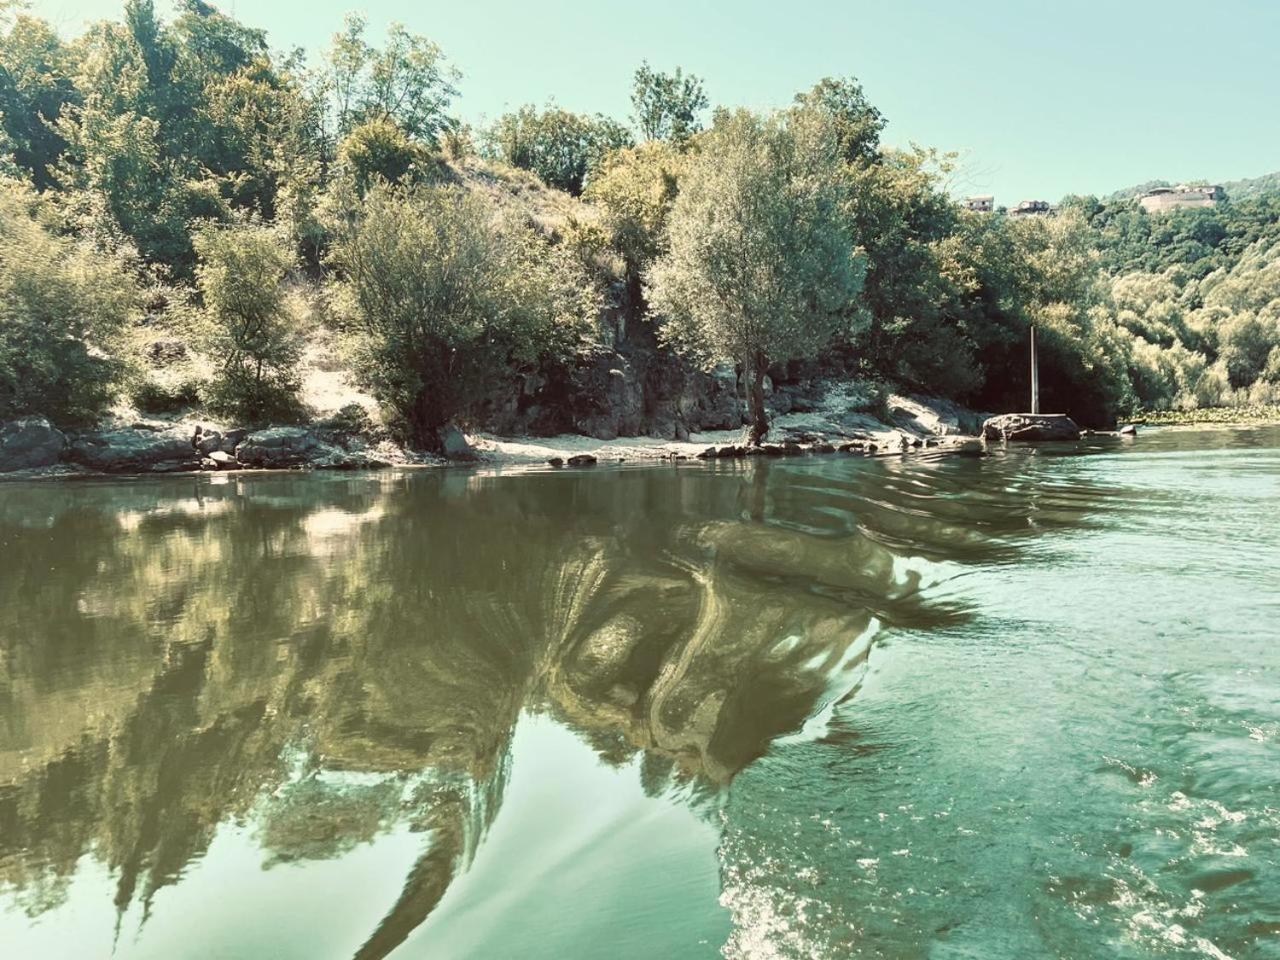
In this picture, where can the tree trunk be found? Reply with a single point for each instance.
(759, 427)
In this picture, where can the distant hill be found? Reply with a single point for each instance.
(1236, 189)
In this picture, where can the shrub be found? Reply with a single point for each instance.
(64, 307)
(443, 297)
(248, 328)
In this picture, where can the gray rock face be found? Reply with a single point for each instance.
(28, 443)
(279, 447)
(1031, 428)
(455, 445)
(282, 447)
(132, 449)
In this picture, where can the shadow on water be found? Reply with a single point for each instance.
(328, 658)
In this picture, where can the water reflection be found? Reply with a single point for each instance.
(325, 660)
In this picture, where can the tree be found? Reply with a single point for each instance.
(443, 296)
(64, 307)
(35, 86)
(858, 123)
(561, 147)
(408, 82)
(249, 328)
(761, 264)
(667, 105)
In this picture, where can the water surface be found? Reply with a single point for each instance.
(1021, 706)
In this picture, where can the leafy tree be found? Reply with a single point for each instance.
(64, 307)
(35, 85)
(443, 297)
(667, 105)
(408, 82)
(249, 328)
(761, 264)
(858, 123)
(561, 147)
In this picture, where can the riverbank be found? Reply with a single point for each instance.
(838, 420)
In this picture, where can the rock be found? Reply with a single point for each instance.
(556, 461)
(853, 446)
(1031, 427)
(232, 439)
(1129, 430)
(454, 444)
(208, 463)
(209, 441)
(792, 449)
(709, 454)
(823, 447)
(917, 442)
(970, 447)
(582, 460)
(732, 451)
(135, 449)
(871, 448)
(223, 460)
(280, 447)
(28, 443)
(771, 450)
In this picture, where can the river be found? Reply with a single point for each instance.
(1021, 706)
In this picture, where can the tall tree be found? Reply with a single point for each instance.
(761, 264)
(667, 105)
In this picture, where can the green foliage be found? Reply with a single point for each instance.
(561, 147)
(64, 307)
(667, 105)
(379, 150)
(443, 298)
(761, 262)
(408, 82)
(634, 191)
(249, 330)
(858, 123)
(35, 85)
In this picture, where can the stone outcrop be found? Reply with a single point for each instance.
(1030, 427)
(284, 447)
(29, 443)
(137, 449)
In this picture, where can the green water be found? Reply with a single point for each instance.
(1018, 707)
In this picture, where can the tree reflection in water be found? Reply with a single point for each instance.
(326, 658)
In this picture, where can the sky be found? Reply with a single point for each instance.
(1040, 98)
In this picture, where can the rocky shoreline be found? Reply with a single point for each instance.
(32, 447)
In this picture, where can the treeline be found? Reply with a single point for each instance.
(1197, 293)
(179, 175)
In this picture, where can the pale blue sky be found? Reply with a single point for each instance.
(1040, 98)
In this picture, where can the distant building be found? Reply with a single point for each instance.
(1031, 208)
(980, 204)
(1164, 199)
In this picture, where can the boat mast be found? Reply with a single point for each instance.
(1035, 375)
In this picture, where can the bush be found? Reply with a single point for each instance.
(443, 297)
(248, 329)
(64, 307)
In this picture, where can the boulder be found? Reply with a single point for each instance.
(223, 460)
(232, 439)
(136, 449)
(1129, 430)
(280, 447)
(1031, 427)
(208, 441)
(582, 460)
(556, 461)
(454, 444)
(30, 442)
